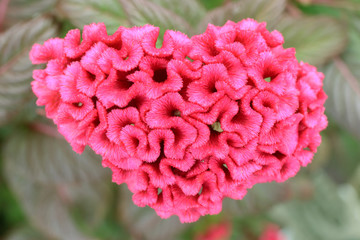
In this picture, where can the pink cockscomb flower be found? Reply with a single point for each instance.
(187, 124)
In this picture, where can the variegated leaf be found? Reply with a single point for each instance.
(316, 39)
(140, 12)
(83, 12)
(15, 66)
(49, 179)
(260, 10)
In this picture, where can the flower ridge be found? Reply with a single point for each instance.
(187, 124)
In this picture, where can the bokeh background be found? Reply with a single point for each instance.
(49, 192)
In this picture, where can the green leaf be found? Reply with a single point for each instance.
(343, 90)
(83, 12)
(49, 180)
(144, 223)
(212, 4)
(342, 84)
(316, 39)
(25, 233)
(140, 12)
(350, 5)
(352, 53)
(332, 214)
(320, 9)
(189, 10)
(15, 66)
(343, 150)
(355, 181)
(11, 212)
(264, 196)
(260, 10)
(24, 10)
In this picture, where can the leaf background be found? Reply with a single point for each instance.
(143, 222)
(83, 12)
(332, 214)
(342, 84)
(15, 66)
(49, 178)
(23, 10)
(313, 37)
(261, 10)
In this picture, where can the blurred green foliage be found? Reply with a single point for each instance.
(11, 214)
(212, 4)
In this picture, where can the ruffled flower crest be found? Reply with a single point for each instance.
(191, 122)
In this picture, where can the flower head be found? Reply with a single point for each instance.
(190, 123)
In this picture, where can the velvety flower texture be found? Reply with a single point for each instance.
(187, 124)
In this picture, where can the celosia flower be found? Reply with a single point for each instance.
(190, 123)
